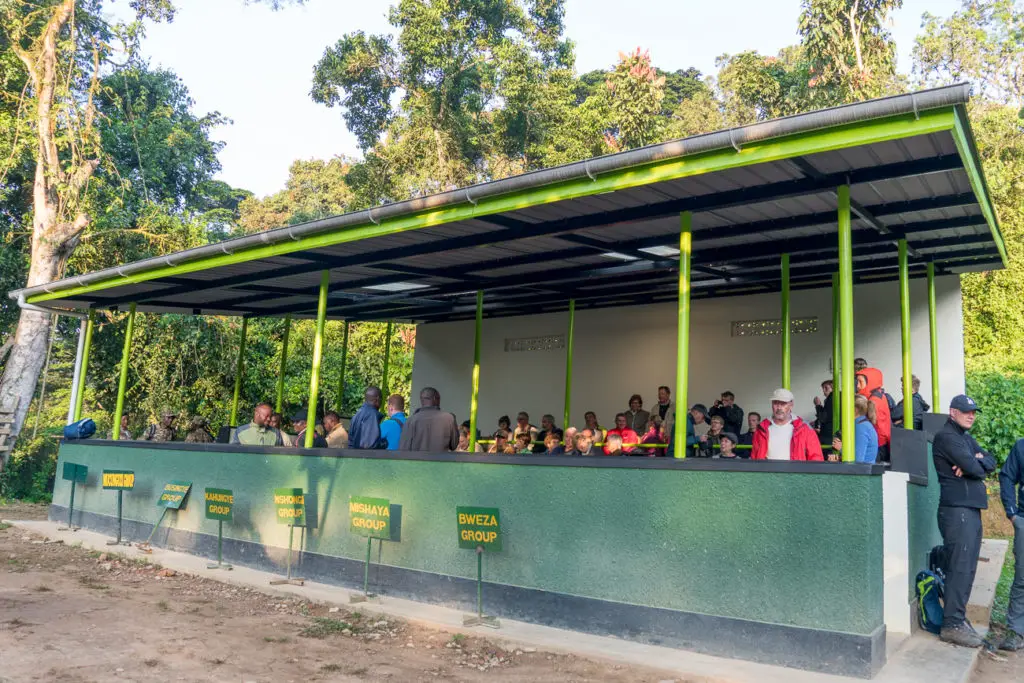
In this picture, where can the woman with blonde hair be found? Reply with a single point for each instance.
(866, 432)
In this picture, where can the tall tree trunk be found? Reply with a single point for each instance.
(56, 226)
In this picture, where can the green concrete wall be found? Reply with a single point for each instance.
(796, 549)
(922, 521)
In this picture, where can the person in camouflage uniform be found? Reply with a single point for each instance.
(198, 431)
(164, 431)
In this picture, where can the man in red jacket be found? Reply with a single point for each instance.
(784, 437)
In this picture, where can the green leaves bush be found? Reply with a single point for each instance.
(1000, 395)
(31, 470)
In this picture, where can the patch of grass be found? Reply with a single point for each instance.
(331, 668)
(360, 671)
(42, 589)
(217, 661)
(458, 638)
(1002, 601)
(325, 626)
(4, 526)
(90, 582)
(163, 606)
(272, 639)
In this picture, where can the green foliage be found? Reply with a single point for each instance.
(1000, 395)
(635, 94)
(30, 472)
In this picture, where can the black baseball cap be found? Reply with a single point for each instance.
(964, 404)
(731, 436)
(700, 408)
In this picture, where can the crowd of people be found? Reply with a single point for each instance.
(723, 431)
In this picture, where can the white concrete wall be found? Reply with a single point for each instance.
(625, 350)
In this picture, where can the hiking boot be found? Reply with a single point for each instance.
(961, 634)
(1013, 641)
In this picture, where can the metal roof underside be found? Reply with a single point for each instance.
(620, 248)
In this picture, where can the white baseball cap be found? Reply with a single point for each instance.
(784, 395)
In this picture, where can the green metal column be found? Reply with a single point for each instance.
(284, 363)
(568, 365)
(239, 372)
(848, 388)
(683, 333)
(122, 382)
(933, 335)
(318, 354)
(80, 394)
(387, 359)
(908, 371)
(784, 324)
(836, 353)
(474, 395)
(344, 362)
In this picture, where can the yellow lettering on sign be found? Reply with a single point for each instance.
(119, 480)
(171, 497)
(373, 524)
(220, 498)
(219, 509)
(479, 536)
(364, 509)
(176, 487)
(290, 512)
(289, 500)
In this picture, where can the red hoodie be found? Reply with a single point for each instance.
(873, 392)
(803, 446)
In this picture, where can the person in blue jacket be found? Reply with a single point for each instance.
(865, 433)
(1011, 490)
(391, 428)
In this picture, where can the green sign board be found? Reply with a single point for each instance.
(479, 527)
(73, 472)
(291, 506)
(174, 494)
(118, 480)
(219, 503)
(370, 516)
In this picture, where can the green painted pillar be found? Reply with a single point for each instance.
(474, 396)
(836, 353)
(239, 372)
(933, 334)
(785, 326)
(848, 385)
(122, 382)
(683, 333)
(318, 354)
(284, 363)
(568, 364)
(80, 394)
(908, 371)
(387, 360)
(344, 362)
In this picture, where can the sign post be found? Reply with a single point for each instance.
(75, 474)
(120, 481)
(370, 517)
(218, 506)
(172, 498)
(479, 529)
(290, 505)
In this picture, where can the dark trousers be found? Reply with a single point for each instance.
(1015, 613)
(961, 534)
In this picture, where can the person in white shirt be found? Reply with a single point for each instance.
(784, 437)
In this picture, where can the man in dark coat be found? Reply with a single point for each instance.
(731, 414)
(961, 467)
(1011, 489)
(430, 429)
(920, 407)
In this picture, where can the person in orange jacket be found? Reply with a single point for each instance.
(869, 385)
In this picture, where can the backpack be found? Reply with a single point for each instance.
(82, 429)
(929, 600)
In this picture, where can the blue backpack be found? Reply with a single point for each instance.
(929, 600)
(82, 429)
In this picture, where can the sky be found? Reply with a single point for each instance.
(255, 65)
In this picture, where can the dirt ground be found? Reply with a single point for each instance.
(68, 615)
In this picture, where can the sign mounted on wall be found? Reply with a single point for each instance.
(479, 527)
(174, 495)
(290, 506)
(118, 480)
(370, 517)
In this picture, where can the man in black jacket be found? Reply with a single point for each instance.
(731, 414)
(823, 412)
(961, 467)
(1011, 489)
(920, 407)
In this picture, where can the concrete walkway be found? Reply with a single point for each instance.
(921, 657)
